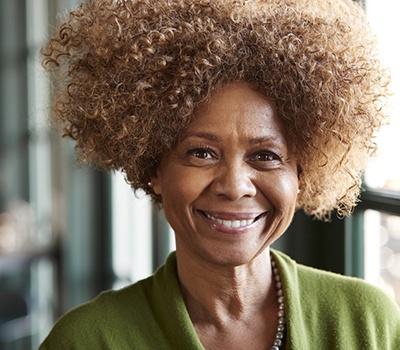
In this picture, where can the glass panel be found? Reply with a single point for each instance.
(26, 269)
(384, 171)
(132, 233)
(26, 300)
(135, 226)
(382, 251)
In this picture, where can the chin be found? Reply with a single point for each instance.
(232, 258)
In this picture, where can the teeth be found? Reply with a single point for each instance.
(232, 223)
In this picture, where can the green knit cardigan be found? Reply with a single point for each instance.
(323, 311)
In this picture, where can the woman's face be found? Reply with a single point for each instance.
(229, 187)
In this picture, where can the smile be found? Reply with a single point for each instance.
(234, 223)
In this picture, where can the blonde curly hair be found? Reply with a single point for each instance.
(130, 73)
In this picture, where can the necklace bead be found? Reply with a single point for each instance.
(281, 329)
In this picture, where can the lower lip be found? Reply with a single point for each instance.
(230, 230)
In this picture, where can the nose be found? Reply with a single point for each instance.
(233, 180)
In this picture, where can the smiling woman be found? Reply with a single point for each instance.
(229, 190)
(230, 115)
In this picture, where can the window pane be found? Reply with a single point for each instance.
(384, 171)
(382, 251)
(131, 233)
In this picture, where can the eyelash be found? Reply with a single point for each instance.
(271, 155)
(197, 149)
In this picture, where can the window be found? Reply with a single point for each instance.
(54, 216)
(26, 235)
(380, 208)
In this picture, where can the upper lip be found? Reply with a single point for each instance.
(233, 215)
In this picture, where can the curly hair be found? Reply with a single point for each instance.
(130, 73)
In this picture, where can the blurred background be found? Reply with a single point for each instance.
(68, 232)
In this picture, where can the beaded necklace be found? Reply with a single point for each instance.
(280, 332)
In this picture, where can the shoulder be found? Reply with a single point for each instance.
(92, 324)
(103, 322)
(329, 286)
(325, 283)
(112, 304)
(346, 290)
(334, 304)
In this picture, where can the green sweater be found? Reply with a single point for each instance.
(323, 311)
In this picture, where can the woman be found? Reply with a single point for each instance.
(231, 115)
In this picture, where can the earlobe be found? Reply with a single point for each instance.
(299, 171)
(155, 181)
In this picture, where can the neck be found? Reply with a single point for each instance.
(220, 294)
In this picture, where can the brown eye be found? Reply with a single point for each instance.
(202, 153)
(266, 157)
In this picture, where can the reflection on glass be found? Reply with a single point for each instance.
(17, 228)
(384, 171)
(382, 251)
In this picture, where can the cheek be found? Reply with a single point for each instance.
(284, 190)
(179, 187)
(180, 193)
(189, 185)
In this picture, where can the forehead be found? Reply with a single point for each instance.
(238, 108)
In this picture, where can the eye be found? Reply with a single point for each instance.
(201, 153)
(265, 156)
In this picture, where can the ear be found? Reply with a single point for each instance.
(156, 181)
(299, 171)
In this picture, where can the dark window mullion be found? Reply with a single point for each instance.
(380, 200)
